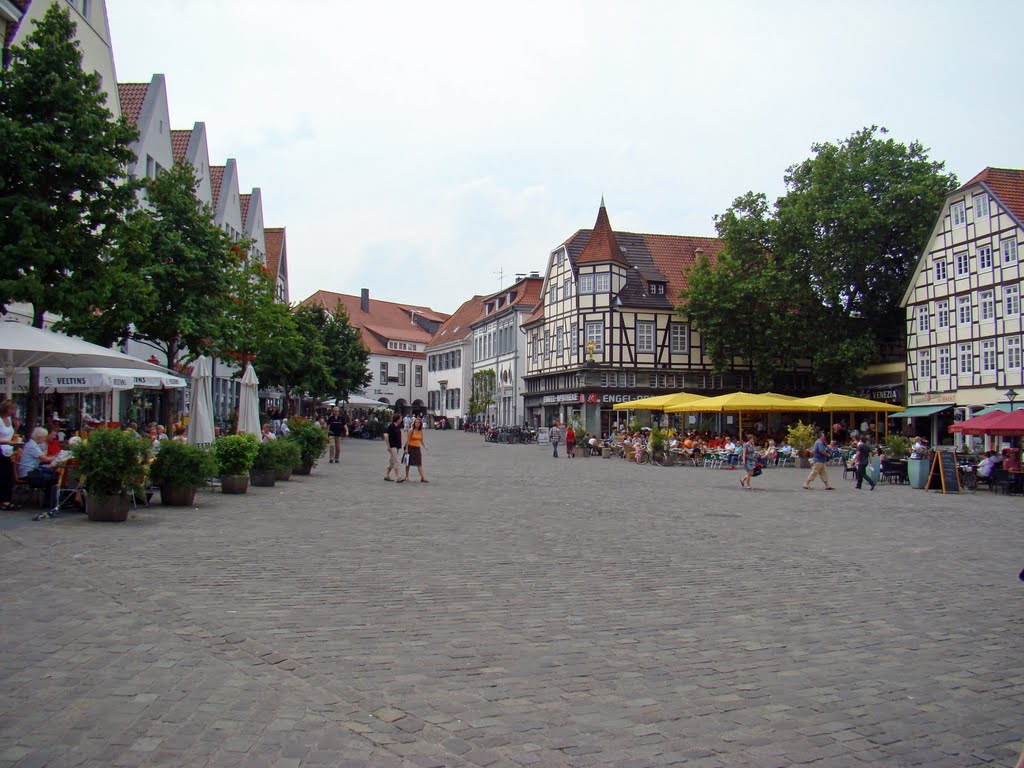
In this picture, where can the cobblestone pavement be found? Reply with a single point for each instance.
(518, 611)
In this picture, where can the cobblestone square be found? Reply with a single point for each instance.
(518, 611)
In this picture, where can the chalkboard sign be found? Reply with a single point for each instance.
(944, 474)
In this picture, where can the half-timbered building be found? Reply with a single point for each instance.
(606, 329)
(963, 304)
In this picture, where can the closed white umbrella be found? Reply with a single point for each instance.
(22, 346)
(249, 403)
(200, 417)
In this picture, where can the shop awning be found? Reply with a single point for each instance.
(1004, 407)
(920, 410)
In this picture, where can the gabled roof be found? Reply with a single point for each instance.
(527, 292)
(457, 326)
(384, 320)
(131, 96)
(179, 143)
(274, 239)
(1007, 184)
(602, 247)
(216, 179)
(243, 205)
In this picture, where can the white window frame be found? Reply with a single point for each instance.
(593, 331)
(553, 294)
(602, 282)
(559, 338)
(384, 373)
(958, 213)
(942, 314)
(924, 364)
(1008, 248)
(941, 269)
(574, 338)
(923, 319)
(679, 338)
(962, 317)
(944, 361)
(963, 263)
(988, 356)
(980, 203)
(1011, 301)
(645, 330)
(965, 358)
(984, 257)
(1013, 356)
(567, 288)
(586, 283)
(987, 305)
(401, 374)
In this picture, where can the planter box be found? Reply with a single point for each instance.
(263, 478)
(107, 509)
(234, 483)
(282, 475)
(303, 469)
(917, 472)
(173, 495)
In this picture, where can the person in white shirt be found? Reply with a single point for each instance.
(988, 464)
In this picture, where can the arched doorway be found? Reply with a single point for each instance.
(401, 406)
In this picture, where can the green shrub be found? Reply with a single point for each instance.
(113, 462)
(278, 454)
(897, 446)
(801, 437)
(181, 463)
(311, 439)
(235, 454)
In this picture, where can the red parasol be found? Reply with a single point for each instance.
(994, 423)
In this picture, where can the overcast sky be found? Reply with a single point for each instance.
(418, 149)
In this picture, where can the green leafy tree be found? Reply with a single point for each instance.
(62, 191)
(826, 270)
(482, 388)
(345, 356)
(300, 367)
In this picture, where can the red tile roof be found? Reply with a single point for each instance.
(243, 204)
(274, 239)
(385, 320)
(131, 96)
(216, 179)
(602, 247)
(675, 253)
(457, 326)
(1007, 184)
(179, 143)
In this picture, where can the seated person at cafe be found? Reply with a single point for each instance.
(1012, 462)
(920, 449)
(34, 461)
(989, 464)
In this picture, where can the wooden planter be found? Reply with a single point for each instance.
(107, 509)
(282, 475)
(174, 495)
(234, 483)
(263, 478)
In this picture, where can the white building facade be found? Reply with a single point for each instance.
(449, 368)
(963, 304)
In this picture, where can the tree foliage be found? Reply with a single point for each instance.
(345, 356)
(482, 389)
(821, 276)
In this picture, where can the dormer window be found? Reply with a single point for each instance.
(488, 308)
(656, 288)
(511, 296)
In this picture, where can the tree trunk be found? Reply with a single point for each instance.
(167, 412)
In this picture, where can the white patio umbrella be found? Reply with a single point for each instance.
(200, 417)
(22, 346)
(249, 403)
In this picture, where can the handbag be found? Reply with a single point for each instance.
(405, 458)
(758, 468)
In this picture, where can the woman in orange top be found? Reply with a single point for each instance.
(414, 447)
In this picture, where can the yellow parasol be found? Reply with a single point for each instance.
(735, 402)
(833, 402)
(658, 402)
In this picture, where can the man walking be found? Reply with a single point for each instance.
(555, 435)
(335, 429)
(863, 459)
(393, 441)
(819, 458)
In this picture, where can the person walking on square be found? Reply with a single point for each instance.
(335, 429)
(393, 442)
(863, 459)
(570, 442)
(414, 447)
(555, 435)
(750, 458)
(819, 458)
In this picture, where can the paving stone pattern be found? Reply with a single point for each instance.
(518, 611)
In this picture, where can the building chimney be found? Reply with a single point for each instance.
(364, 300)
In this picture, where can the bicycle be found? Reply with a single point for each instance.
(968, 477)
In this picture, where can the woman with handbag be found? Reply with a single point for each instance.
(751, 458)
(414, 447)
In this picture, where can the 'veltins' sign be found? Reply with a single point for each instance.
(70, 381)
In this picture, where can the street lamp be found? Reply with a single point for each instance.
(1011, 395)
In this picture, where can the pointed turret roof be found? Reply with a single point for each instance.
(602, 248)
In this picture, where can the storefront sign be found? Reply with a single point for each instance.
(619, 398)
(936, 399)
(566, 398)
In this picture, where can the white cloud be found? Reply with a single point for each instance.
(415, 149)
